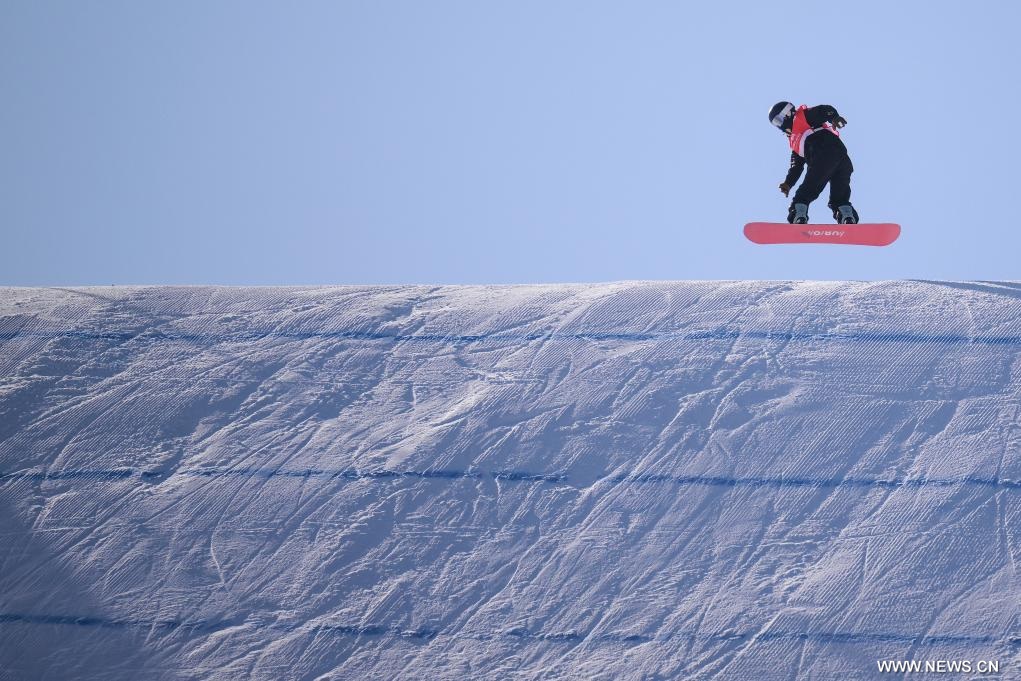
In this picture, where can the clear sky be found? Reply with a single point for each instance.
(519, 141)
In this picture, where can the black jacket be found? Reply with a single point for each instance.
(816, 116)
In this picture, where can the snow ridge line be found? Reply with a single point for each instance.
(519, 633)
(521, 476)
(461, 339)
(104, 623)
(760, 636)
(346, 474)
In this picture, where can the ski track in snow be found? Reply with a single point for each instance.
(704, 480)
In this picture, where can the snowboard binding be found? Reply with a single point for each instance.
(798, 214)
(845, 215)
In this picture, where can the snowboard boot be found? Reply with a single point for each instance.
(798, 214)
(845, 215)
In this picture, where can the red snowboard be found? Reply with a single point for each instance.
(877, 234)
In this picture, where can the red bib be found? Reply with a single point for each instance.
(800, 131)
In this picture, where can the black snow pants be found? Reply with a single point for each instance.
(827, 161)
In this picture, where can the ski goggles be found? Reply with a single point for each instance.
(782, 116)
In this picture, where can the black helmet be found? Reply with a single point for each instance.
(780, 113)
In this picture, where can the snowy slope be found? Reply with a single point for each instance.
(770, 480)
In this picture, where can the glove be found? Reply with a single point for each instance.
(839, 122)
(785, 188)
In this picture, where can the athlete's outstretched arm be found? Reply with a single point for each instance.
(824, 113)
(797, 167)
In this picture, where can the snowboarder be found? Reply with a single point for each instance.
(815, 140)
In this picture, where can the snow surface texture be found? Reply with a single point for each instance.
(755, 480)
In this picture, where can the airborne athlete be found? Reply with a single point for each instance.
(815, 140)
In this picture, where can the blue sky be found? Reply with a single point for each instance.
(492, 142)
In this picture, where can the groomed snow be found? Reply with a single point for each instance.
(704, 480)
